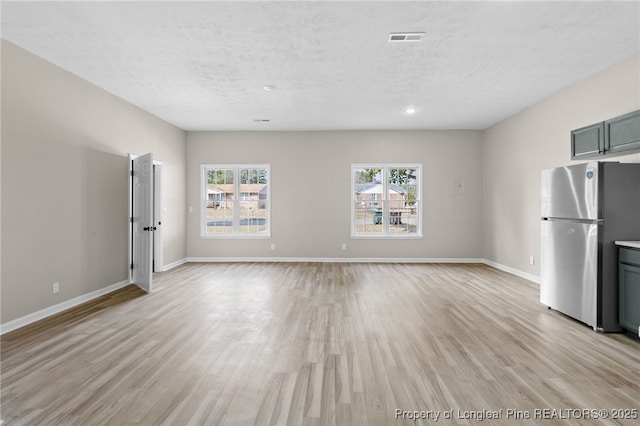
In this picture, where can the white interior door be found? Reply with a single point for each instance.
(142, 224)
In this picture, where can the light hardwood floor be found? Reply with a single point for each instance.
(317, 344)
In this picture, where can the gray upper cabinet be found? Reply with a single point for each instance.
(612, 136)
(622, 133)
(587, 141)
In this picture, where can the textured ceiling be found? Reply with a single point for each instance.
(203, 65)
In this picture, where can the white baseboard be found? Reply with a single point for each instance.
(332, 260)
(516, 272)
(52, 310)
(44, 313)
(172, 265)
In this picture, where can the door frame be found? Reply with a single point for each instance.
(157, 252)
(158, 262)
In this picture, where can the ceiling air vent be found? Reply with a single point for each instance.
(405, 37)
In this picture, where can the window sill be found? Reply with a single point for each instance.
(235, 237)
(386, 237)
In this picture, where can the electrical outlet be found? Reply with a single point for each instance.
(273, 246)
(344, 246)
(532, 260)
(56, 287)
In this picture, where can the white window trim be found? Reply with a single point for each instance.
(386, 235)
(203, 201)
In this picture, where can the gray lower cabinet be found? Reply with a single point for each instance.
(629, 289)
(612, 136)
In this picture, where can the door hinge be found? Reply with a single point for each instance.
(131, 172)
(131, 219)
(131, 266)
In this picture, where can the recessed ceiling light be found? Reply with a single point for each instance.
(410, 110)
(405, 37)
(269, 88)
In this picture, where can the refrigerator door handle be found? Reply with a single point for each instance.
(599, 222)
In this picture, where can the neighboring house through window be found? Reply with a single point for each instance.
(236, 200)
(386, 200)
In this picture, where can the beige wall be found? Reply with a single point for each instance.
(64, 168)
(518, 148)
(311, 191)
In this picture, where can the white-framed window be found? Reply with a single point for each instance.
(386, 200)
(236, 200)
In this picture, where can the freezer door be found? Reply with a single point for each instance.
(569, 268)
(571, 192)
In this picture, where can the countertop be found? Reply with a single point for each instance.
(632, 244)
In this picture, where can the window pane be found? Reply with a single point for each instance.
(252, 218)
(404, 220)
(368, 217)
(403, 181)
(219, 187)
(368, 187)
(365, 176)
(219, 217)
(220, 176)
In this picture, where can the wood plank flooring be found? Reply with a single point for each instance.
(318, 344)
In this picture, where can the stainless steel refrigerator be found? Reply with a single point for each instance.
(585, 209)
